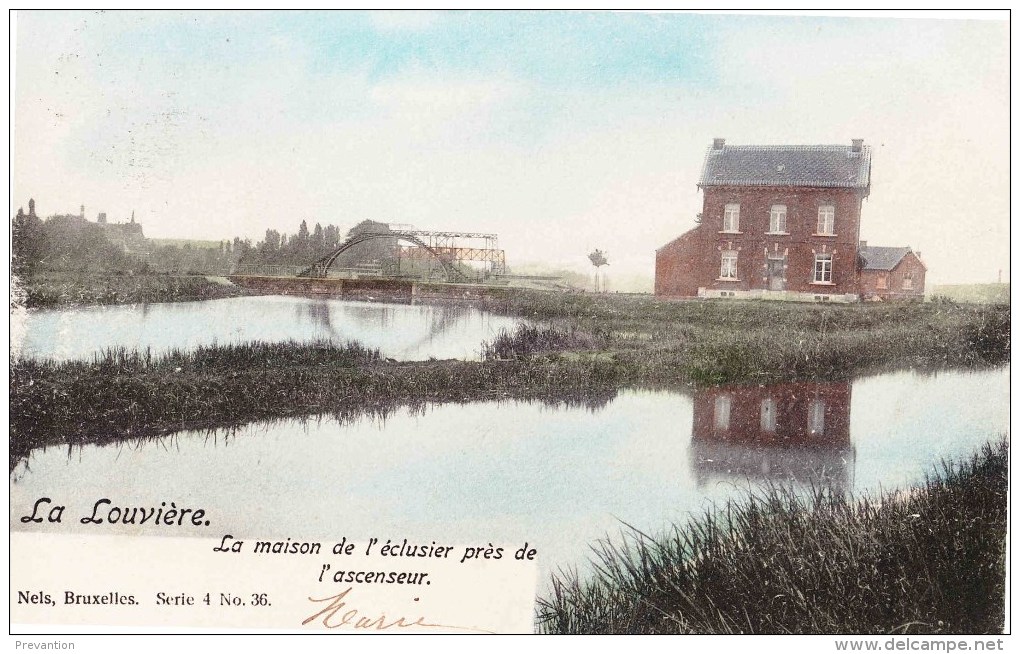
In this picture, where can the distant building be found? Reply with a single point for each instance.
(891, 273)
(129, 236)
(778, 222)
(70, 218)
(31, 210)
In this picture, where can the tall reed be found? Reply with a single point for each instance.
(927, 560)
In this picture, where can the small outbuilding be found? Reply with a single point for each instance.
(891, 273)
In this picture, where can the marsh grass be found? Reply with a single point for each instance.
(720, 341)
(526, 340)
(124, 394)
(929, 560)
(120, 361)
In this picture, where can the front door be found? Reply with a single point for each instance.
(777, 276)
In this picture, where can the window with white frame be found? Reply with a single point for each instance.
(827, 219)
(908, 281)
(722, 412)
(777, 219)
(768, 415)
(731, 218)
(728, 268)
(823, 268)
(816, 417)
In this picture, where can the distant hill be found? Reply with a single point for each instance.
(977, 293)
(615, 282)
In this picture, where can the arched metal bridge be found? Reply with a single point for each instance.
(436, 245)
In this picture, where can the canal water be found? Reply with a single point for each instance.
(400, 331)
(557, 477)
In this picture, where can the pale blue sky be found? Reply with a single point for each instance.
(589, 126)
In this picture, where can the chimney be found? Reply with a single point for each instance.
(856, 145)
(717, 144)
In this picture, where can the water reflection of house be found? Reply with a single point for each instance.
(784, 432)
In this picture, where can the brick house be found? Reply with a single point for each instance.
(891, 273)
(779, 222)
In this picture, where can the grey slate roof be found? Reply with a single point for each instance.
(831, 166)
(879, 258)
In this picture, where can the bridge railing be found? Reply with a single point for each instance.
(267, 270)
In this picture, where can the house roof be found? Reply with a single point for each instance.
(831, 166)
(879, 258)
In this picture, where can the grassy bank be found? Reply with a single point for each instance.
(64, 289)
(122, 394)
(929, 560)
(584, 350)
(731, 341)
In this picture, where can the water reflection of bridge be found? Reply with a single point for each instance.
(780, 433)
(439, 319)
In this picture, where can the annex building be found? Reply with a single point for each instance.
(781, 222)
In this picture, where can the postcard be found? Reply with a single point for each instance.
(523, 322)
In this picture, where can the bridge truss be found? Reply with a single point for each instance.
(451, 246)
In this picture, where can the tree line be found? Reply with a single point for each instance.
(72, 244)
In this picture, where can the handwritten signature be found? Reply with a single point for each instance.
(334, 617)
